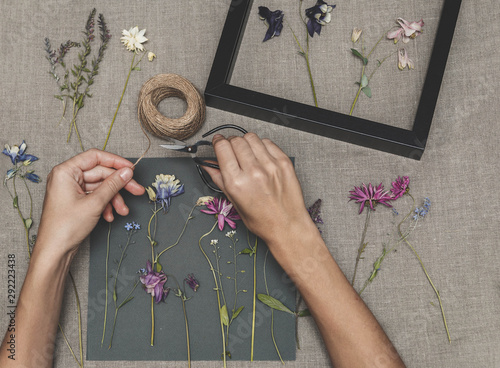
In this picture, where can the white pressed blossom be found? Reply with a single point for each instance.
(133, 39)
(231, 233)
(214, 242)
(151, 56)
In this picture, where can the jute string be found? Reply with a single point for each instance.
(156, 90)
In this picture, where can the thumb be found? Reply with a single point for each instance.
(111, 186)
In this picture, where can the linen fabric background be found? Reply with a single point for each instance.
(458, 240)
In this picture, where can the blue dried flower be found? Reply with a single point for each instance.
(166, 187)
(273, 20)
(32, 177)
(136, 226)
(129, 226)
(319, 15)
(18, 153)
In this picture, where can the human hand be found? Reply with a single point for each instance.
(78, 191)
(259, 179)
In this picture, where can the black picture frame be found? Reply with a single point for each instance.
(408, 143)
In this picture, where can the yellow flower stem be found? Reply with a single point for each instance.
(217, 291)
(152, 321)
(428, 277)
(362, 245)
(120, 102)
(79, 311)
(254, 297)
(179, 238)
(272, 311)
(187, 331)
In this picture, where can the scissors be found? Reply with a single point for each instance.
(181, 146)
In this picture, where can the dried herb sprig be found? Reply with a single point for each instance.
(79, 76)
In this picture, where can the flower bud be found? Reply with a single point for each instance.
(151, 194)
(151, 56)
(356, 33)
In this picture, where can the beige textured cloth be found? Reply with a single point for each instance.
(459, 171)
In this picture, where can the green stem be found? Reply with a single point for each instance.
(359, 90)
(179, 238)
(69, 346)
(428, 278)
(79, 311)
(217, 291)
(362, 245)
(187, 331)
(254, 297)
(152, 321)
(120, 102)
(117, 308)
(272, 311)
(21, 216)
(106, 285)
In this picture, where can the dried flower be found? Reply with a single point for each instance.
(319, 15)
(400, 186)
(32, 177)
(18, 153)
(214, 242)
(202, 201)
(192, 282)
(153, 283)
(166, 187)
(372, 195)
(151, 56)
(422, 211)
(315, 212)
(273, 21)
(406, 30)
(356, 33)
(224, 211)
(404, 60)
(133, 39)
(151, 194)
(231, 233)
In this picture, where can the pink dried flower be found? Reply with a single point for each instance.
(406, 30)
(372, 195)
(224, 211)
(400, 186)
(404, 60)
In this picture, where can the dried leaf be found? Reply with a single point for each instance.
(273, 303)
(224, 316)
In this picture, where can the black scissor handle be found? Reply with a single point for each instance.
(209, 164)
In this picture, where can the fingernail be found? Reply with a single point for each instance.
(126, 174)
(217, 137)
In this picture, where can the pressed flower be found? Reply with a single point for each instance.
(406, 30)
(167, 186)
(10, 174)
(315, 212)
(32, 177)
(202, 201)
(319, 15)
(151, 194)
(136, 226)
(273, 20)
(371, 195)
(18, 153)
(133, 39)
(231, 233)
(153, 283)
(151, 56)
(129, 226)
(404, 60)
(400, 186)
(224, 211)
(356, 33)
(192, 282)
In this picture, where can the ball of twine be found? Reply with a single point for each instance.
(156, 90)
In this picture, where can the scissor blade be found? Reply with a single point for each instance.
(174, 147)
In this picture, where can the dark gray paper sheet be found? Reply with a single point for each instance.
(133, 329)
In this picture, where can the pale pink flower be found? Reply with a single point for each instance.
(404, 60)
(224, 211)
(406, 30)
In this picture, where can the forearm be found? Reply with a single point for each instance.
(351, 333)
(37, 312)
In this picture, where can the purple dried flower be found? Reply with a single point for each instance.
(224, 211)
(273, 20)
(319, 15)
(32, 177)
(18, 153)
(154, 283)
(192, 282)
(372, 195)
(400, 186)
(315, 212)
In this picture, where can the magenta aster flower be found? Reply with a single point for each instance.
(371, 194)
(153, 283)
(400, 186)
(224, 211)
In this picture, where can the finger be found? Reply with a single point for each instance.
(225, 155)
(259, 149)
(99, 173)
(216, 176)
(108, 213)
(111, 186)
(93, 157)
(243, 152)
(273, 149)
(119, 205)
